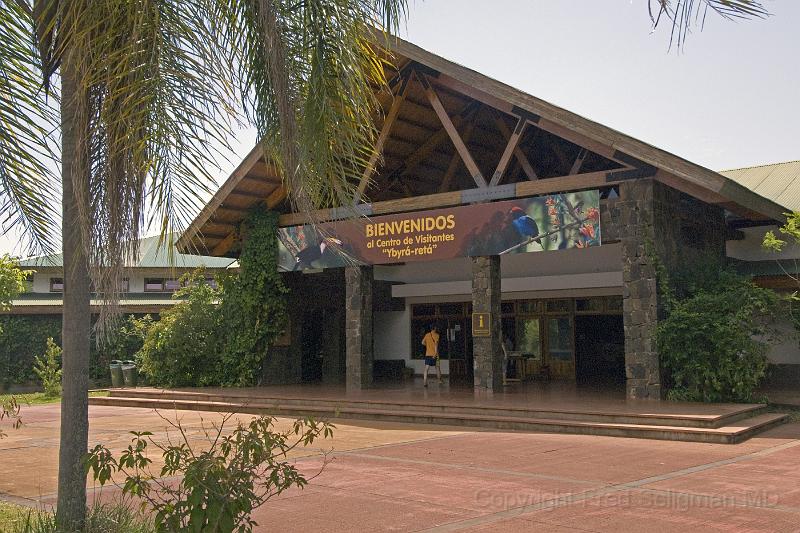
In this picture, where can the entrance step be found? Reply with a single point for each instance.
(730, 428)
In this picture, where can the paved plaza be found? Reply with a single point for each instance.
(399, 477)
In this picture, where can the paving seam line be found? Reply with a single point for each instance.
(574, 498)
(473, 468)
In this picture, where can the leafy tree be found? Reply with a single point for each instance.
(12, 281)
(182, 349)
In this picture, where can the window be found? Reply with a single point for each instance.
(56, 284)
(589, 305)
(213, 284)
(558, 306)
(125, 286)
(29, 283)
(615, 304)
(153, 285)
(529, 306)
(172, 285)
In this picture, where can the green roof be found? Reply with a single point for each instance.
(779, 182)
(151, 255)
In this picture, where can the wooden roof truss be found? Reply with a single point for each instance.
(443, 142)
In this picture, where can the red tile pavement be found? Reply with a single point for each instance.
(395, 477)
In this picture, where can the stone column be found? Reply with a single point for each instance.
(487, 353)
(639, 294)
(656, 221)
(358, 324)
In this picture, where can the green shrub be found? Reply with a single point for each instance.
(221, 336)
(219, 486)
(714, 340)
(126, 339)
(182, 349)
(23, 337)
(48, 368)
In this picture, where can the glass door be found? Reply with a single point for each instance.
(455, 338)
(560, 354)
(529, 343)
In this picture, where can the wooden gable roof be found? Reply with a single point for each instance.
(450, 135)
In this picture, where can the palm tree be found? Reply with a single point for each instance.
(149, 93)
(143, 97)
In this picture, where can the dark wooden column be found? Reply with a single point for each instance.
(358, 303)
(487, 353)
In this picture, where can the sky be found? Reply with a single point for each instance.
(728, 99)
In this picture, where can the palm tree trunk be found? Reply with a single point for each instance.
(76, 329)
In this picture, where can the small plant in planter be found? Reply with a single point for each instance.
(220, 487)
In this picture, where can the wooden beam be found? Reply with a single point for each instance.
(273, 199)
(469, 162)
(224, 245)
(576, 166)
(589, 180)
(518, 153)
(391, 116)
(276, 197)
(430, 144)
(264, 171)
(455, 161)
(513, 143)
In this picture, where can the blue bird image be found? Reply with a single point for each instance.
(523, 223)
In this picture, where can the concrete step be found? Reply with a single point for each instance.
(454, 408)
(729, 434)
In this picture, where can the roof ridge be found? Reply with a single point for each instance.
(761, 166)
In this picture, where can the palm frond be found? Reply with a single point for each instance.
(310, 71)
(27, 119)
(685, 14)
(160, 106)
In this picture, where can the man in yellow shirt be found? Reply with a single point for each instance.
(431, 343)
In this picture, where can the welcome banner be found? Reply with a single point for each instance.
(553, 222)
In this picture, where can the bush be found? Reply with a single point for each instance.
(22, 338)
(221, 336)
(182, 349)
(714, 341)
(126, 339)
(218, 487)
(49, 369)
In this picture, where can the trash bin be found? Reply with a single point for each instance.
(117, 380)
(130, 373)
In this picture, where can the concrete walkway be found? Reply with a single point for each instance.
(393, 477)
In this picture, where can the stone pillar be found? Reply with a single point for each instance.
(656, 221)
(487, 353)
(358, 324)
(639, 294)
